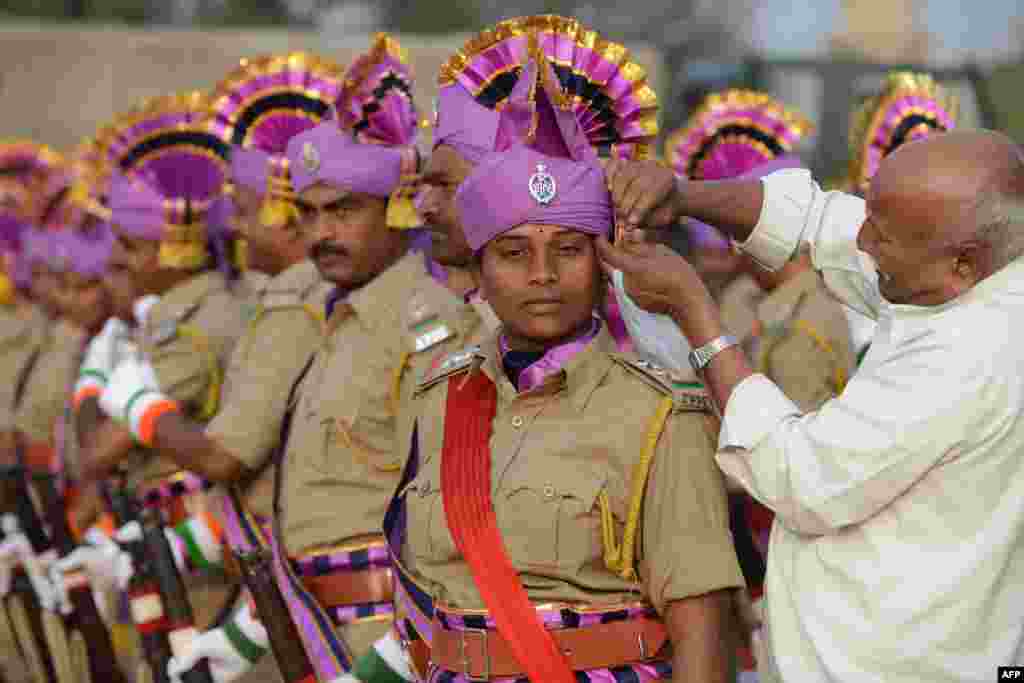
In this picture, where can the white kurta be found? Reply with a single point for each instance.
(897, 550)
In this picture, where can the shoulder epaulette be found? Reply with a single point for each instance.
(292, 287)
(167, 329)
(687, 395)
(453, 364)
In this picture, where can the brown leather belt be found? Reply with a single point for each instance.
(483, 655)
(351, 587)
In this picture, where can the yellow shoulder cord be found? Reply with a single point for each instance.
(619, 558)
(839, 377)
(202, 344)
(6, 291)
(315, 313)
(396, 381)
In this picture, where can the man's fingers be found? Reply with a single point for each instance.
(611, 170)
(623, 178)
(663, 216)
(611, 257)
(647, 196)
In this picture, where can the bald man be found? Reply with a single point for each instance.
(897, 553)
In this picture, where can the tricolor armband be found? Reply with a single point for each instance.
(201, 537)
(90, 384)
(249, 651)
(385, 662)
(142, 412)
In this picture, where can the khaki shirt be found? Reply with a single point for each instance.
(48, 386)
(286, 330)
(23, 329)
(738, 307)
(188, 337)
(804, 345)
(340, 465)
(554, 450)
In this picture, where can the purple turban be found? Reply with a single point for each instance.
(11, 229)
(264, 103)
(543, 169)
(327, 153)
(521, 186)
(464, 125)
(88, 251)
(368, 147)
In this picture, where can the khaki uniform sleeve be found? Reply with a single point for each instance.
(183, 372)
(811, 358)
(14, 353)
(687, 547)
(269, 359)
(185, 366)
(45, 392)
(803, 370)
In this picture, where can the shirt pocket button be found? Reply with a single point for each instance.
(517, 422)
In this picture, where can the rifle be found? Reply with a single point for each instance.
(85, 617)
(177, 609)
(257, 571)
(15, 492)
(144, 597)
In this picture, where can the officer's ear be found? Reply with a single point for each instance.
(476, 268)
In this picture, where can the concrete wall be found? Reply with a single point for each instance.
(58, 84)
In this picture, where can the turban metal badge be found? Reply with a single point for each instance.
(310, 157)
(542, 186)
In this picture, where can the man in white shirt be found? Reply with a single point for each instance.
(898, 548)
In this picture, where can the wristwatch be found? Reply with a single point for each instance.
(699, 358)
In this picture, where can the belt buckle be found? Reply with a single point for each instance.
(486, 676)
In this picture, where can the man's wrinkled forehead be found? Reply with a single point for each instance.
(322, 193)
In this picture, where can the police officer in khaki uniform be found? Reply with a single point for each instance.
(387, 317)
(384, 318)
(164, 230)
(24, 326)
(288, 323)
(553, 480)
(474, 85)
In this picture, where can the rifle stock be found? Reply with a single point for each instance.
(147, 604)
(16, 493)
(86, 616)
(177, 609)
(258, 573)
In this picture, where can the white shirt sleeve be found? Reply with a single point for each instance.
(796, 211)
(840, 465)
(655, 336)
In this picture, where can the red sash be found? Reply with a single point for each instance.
(466, 491)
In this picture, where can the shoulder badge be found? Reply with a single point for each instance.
(426, 329)
(164, 332)
(448, 366)
(167, 330)
(276, 300)
(687, 395)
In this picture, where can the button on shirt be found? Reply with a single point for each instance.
(896, 553)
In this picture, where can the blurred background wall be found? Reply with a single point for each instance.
(68, 65)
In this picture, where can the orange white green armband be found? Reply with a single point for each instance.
(133, 397)
(142, 412)
(90, 384)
